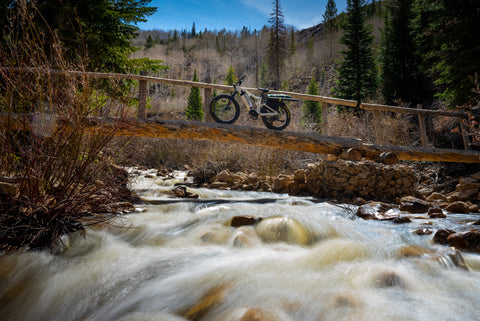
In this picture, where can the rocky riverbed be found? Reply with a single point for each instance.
(379, 190)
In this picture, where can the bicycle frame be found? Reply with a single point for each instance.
(248, 97)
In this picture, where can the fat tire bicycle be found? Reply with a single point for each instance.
(271, 108)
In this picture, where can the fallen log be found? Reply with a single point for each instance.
(305, 142)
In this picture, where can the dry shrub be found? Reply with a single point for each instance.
(395, 129)
(175, 153)
(50, 158)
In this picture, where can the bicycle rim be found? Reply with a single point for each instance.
(224, 110)
(279, 121)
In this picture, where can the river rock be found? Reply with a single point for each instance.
(227, 177)
(441, 236)
(423, 231)
(282, 229)
(401, 220)
(243, 220)
(411, 251)
(376, 211)
(181, 191)
(469, 241)
(245, 236)
(281, 183)
(413, 205)
(458, 207)
(437, 197)
(389, 279)
(436, 212)
(204, 174)
(212, 298)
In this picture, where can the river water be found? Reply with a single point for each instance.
(182, 260)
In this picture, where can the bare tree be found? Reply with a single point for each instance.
(277, 48)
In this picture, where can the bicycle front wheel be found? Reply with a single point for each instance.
(278, 121)
(224, 109)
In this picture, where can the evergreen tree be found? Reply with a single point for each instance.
(194, 109)
(194, 32)
(149, 43)
(357, 77)
(312, 110)
(292, 48)
(447, 37)
(277, 43)
(401, 78)
(330, 23)
(104, 28)
(263, 75)
(231, 78)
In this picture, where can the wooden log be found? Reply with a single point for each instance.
(387, 158)
(353, 154)
(142, 97)
(207, 96)
(422, 126)
(376, 125)
(466, 139)
(305, 142)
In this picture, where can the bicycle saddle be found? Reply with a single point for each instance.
(264, 90)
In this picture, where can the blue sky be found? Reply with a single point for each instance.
(233, 14)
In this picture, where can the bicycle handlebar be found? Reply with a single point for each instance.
(239, 82)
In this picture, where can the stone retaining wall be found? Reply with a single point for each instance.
(339, 179)
(359, 179)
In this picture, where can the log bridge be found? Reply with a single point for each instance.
(343, 147)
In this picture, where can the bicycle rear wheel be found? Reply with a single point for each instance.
(279, 121)
(224, 109)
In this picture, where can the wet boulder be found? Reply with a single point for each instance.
(242, 220)
(282, 229)
(281, 183)
(437, 197)
(413, 205)
(469, 241)
(210, 300)
(436, 212)
(458, 207)
(182, 192)
(441, 236)
(377, 211)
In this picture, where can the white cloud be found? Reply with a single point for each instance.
(262, 6)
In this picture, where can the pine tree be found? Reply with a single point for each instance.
(231, 78)
(277, 43)
(149, 43)
(447, 38)
(312, 110)
(330, 23)
(357, 77)
(401, 78)
(104, 29)
(194, 109)
(193, 34)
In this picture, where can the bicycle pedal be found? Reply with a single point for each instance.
(253, 113)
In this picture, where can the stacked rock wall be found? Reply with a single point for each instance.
(360, 179)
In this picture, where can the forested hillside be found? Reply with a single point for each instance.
(404, 65)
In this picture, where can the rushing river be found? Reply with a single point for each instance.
(182, 260)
